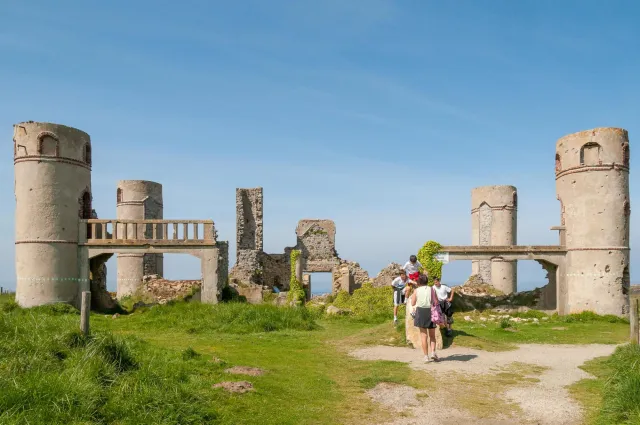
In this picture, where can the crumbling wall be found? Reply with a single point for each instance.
(249, 212)
(316, 239)
(386, 275)
(348, 276)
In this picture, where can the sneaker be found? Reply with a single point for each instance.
(435, 358)
(427, 359)
(395, 321)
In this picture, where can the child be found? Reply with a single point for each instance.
(399, 285)
(445, 296)
(412, 268)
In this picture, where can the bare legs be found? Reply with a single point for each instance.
(432, 340)
(423, 340)
(432, 337)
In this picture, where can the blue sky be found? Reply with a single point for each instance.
(381, 115)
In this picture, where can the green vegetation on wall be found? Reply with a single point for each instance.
(430, 265)
(296, 293)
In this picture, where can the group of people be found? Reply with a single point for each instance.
(430, 306)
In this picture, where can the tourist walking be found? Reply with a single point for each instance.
(399, 286)
(445, 297)
(424, 298)
(412, 268)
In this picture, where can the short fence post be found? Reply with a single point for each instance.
(633, 320)
(84, 312)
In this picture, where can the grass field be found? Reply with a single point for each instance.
(158, 366)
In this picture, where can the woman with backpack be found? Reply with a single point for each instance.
(427, 316)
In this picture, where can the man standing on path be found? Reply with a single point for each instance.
(412, 268)
(445, 296)
(399, 285)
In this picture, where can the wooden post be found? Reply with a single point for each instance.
(84, 312)
(634, 303)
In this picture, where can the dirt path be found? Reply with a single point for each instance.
(542, 399)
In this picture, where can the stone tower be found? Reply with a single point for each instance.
(52, 165)
(592, 185)
(137, 200)
(494, 222)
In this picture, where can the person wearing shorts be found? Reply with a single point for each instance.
(423, 298)
(445, 297)
(412, 268)
(399, 285)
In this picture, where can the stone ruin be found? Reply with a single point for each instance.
(257, 274)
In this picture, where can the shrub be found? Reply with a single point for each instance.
(367, 303)
(505, 323)
(430, 265)
(296, 293)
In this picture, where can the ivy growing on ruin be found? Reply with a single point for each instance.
(430, 266)
(296, 294)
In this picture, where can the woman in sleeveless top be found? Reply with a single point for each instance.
(422, 298)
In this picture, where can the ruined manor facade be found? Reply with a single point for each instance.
(62, 246)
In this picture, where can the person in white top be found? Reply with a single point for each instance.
(445, 297)
(423, 298)
(412, 268)
(399, 286)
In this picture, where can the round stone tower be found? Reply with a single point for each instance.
(592, 185)
(52, 166)
(138, 200)
(494, 222)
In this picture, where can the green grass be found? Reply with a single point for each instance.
(158, 365)
(614, 396)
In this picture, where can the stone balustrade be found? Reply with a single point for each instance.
(162, 232)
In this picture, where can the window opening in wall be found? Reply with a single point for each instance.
(321, 283)
(48, 145)
(87, 154)
(625, 155)
(590, 154)
(119, 195)
(558, 163)
(626, 281)
(86, 205)
(515, 199)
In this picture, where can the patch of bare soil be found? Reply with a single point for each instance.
(421, 408)
(544, 400)
(240, 387)
(244, 370)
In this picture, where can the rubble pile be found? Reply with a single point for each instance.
(163, 290)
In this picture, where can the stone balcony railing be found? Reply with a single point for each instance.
(148, 232)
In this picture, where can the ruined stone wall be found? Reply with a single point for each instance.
(348, 276)
(52, 164)
(385, 276)
(316, 239)
(592, 184)
(137, 200)
(249, 212)
(494, 222)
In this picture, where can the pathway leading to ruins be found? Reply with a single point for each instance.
(542, 398)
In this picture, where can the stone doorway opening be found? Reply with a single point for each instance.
(318, 283)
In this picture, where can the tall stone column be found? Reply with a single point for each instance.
(592, 184)
(52, 165)
(138, 200)
(494, 222)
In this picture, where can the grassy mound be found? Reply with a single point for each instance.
(50, 373)
(621, 395)
(234, 318)
(367, 304)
